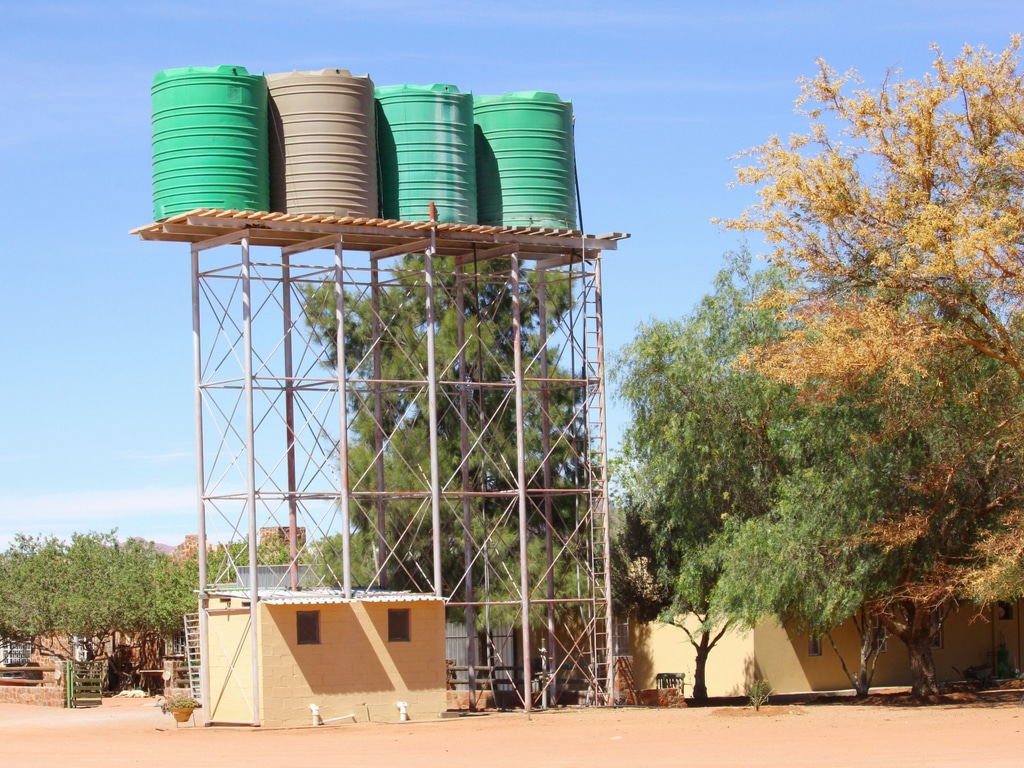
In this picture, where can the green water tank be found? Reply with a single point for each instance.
(426, 154)
(525, 160)
(209, 140)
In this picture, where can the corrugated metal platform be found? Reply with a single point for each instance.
(380, 237)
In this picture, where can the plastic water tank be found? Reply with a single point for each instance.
(209, 140)
(425, 145)
(323, 144)
(525, 162)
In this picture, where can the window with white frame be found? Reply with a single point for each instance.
(15, 653)
(176, 647)
(79, 648)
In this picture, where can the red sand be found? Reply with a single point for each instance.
(124, 732)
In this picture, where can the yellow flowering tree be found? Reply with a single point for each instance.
(901, 213)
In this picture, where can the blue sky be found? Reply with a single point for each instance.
(97, 425)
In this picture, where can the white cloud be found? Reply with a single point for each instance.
(160, 458)
(159, 514)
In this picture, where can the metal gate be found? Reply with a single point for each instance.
(84, 683)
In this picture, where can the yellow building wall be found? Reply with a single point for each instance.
(779, 661)
(229, 658)
(658, 648)
(970, 637)
(1007, 629)
(354, 669)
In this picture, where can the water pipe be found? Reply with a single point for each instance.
(317, 720)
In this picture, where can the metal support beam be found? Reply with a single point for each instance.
(250, 469)
(465, 380)
(381, 550)
(289, 424)
(524, 569)
(605, 532)
(197, 374)
(549, 545)
(415, 246)
(221, 240)
(486, 255)
(435, 474)
(343, 479)
(330, 241)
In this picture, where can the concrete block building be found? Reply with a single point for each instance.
(375, 655)
(986, 642)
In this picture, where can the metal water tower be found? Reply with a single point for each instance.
(413, 405)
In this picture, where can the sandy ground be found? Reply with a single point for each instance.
(126, 732)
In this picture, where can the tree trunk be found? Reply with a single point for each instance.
(869, 631)
(916, 633)
(922, 665)
(863, 683)
(700, 687)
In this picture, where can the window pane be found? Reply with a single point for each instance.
(307, 624)
(814, 646)
(398, 625)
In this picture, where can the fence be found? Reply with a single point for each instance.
(32, 684)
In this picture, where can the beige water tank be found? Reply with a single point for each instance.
(323, 151)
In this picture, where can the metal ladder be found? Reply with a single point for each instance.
(597, 458)
(192, 654)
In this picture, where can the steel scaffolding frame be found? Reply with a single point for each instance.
(466, 455)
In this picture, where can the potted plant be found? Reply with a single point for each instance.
(181, 707)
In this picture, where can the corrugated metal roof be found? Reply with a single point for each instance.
(325, 596)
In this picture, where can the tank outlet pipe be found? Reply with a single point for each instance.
(403, 711)
(317, 720)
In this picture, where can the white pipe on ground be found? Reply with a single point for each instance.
(317, 720)
(403, 711)
(336, 719)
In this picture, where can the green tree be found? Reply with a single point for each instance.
(702, 448)
(882, 514)
(958, 485)
(809, 564)
(907, 237)
(33, 579)
(391, 537)
(91, 587)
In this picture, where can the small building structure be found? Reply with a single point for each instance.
(377, 655)
(972, 642)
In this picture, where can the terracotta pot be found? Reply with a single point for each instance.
(181, 714)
